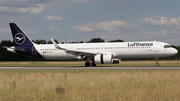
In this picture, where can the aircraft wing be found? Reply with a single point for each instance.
(75, 52)
(81, 53)
(56, 45)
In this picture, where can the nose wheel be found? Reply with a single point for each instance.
(157, 64)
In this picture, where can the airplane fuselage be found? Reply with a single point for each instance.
(149, 49)
(98, 53)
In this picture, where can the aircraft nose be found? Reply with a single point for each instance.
(174, 51)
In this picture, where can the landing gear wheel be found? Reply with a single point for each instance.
(93, 64)
(157, 64)
(87, 64)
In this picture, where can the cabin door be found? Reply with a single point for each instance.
(156, 47)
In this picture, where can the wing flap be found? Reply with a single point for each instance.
(81, 53)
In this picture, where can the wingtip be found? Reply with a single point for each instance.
(5, 47)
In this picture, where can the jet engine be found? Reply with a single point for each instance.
(105, 59)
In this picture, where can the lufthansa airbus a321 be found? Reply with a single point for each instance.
(97, 53)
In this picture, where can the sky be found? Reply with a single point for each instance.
(82, 20)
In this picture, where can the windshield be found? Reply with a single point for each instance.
(167, 46)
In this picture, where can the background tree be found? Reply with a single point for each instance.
(118, 40)
(40, 41)
(96, 40)
(50, 42)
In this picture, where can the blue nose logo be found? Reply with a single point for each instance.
(19, 38)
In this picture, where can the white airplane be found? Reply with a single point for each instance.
(98, 53)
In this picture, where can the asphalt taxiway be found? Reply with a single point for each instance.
(92, 68)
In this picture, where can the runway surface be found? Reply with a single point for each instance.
(91, 68)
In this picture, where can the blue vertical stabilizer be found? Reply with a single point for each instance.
(19, 37)
(23, 44)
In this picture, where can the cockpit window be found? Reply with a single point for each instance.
(167, 46)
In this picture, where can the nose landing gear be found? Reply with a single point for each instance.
(157, 64)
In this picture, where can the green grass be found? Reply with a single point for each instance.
(89, 85)
(81, 63)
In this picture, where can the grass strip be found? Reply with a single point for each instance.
(89, 85)
(81, 63)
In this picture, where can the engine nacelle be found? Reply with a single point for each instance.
(105, 59)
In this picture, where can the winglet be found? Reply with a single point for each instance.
(55, 44)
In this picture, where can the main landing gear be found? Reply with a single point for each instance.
(157, 64)
(87, 64)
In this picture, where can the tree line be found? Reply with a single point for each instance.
(8, 56)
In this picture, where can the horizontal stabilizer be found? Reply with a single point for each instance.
(13, 48)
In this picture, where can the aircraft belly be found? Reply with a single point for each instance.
(136, 54)
(58, 57)
(142, 54)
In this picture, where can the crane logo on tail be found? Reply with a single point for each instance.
(19, 38)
